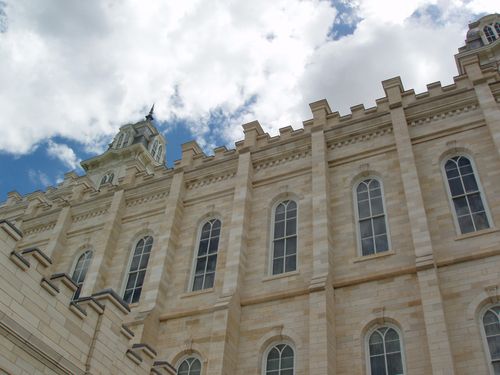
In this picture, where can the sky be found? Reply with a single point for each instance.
(72, 72)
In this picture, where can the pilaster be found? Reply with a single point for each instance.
(321, 313)
(57, 239)
(432, 303)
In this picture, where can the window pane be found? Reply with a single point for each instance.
(365, 228)
(279, 248)
(131, 280)
(144, 261)
(139, 247)
(212, 261)
(277, 266)
(367, 246)
(362, 195)
(290, 227)
(394, 364)
(291, 206)
(198, 282)
(376, 344)
(481, 221)
(279, 229)
(273, 364)
(377, 207)
(496, 368)
(273, 354)
(209, 280)
(489, 318)
(475, 202)
(470, 183)
(494, 345)
(291, 245)
(127, 296)
(202, 250)
(140, 278)
(381, 243)
(290, 264)
(137, 295)
(200, 266)
(465, 223)
(378, 365)
(214, 244)
(455, 186)
(451, 169)
(363, 209)
(195, 366)
(379, 225)
(375, 193)
(287, 372)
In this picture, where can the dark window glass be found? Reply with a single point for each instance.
(280, 360)
(81, 268)
(385, 352)
(285, 238)
(206, 260)
(137, 270)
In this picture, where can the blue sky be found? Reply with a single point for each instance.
(71, 73)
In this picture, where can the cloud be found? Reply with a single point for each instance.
(63, 153)
(80, 69)
(39, 178)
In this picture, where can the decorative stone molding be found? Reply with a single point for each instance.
(145, 199)
(90, 214)
(443, 115)
(193, 184)
(349, 140)
(272, 162)
(39, 228)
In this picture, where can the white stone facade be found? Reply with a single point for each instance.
(432, 283)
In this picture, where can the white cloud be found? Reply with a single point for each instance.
(38, 178)
(64, 153)
(79, 69)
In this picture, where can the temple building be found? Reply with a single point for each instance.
(364, 244)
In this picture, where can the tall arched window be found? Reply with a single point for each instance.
(284, 254)
(488, 32)
(159, 154)
(491, 331)
(280, 360)
(80, 270)
(154, 148)
(137, 270)
(190, 366)
(470, 212)
(372, 224)
(206, 258)
(384, 350)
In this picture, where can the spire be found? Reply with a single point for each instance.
(150, 114)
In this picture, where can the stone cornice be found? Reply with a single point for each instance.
(135, 201)
(350, 139)
(90, 214)
(443, 114)
(210, 179)
(282, 158)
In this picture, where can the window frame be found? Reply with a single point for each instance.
(484, 339)
(484, 200)
(359, 247)
(135, 242)
(105, 178)
(367, 336)
(265, 353)
(75, 263)
(288, 197)
(201, 223)
(187, 356)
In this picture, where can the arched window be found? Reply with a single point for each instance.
(384, 350)
(280, 360)
(488, 32)
(372, 224)
(491, 331)
(119, 141)
(190, 366)
(122, 139)
(470, 212)
(159, 153)
(137, 270)
(497, 28)
(154, 148)
(206, 258)
(284, 254)
(108, 177)
(80, 270)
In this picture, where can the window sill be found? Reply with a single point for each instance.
(373, 256)
(197, 293)
(475, 234)
(281, 275)
(132, 305)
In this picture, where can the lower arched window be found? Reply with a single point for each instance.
(385, 354)
(137, 270)
(491, 330)
(190, 366)
(280, 360)
(80, 270)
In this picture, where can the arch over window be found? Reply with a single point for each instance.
(137, 270)
(189, 366)
(80, 270)
(465, 193)
(384, 352)
(284, 252)
(279, 360)
(372, 221)
(491, 332)
(206, 258)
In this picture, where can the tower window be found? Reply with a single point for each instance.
(107, 178)
(489, 33)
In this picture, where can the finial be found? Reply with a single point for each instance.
(150, 114)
